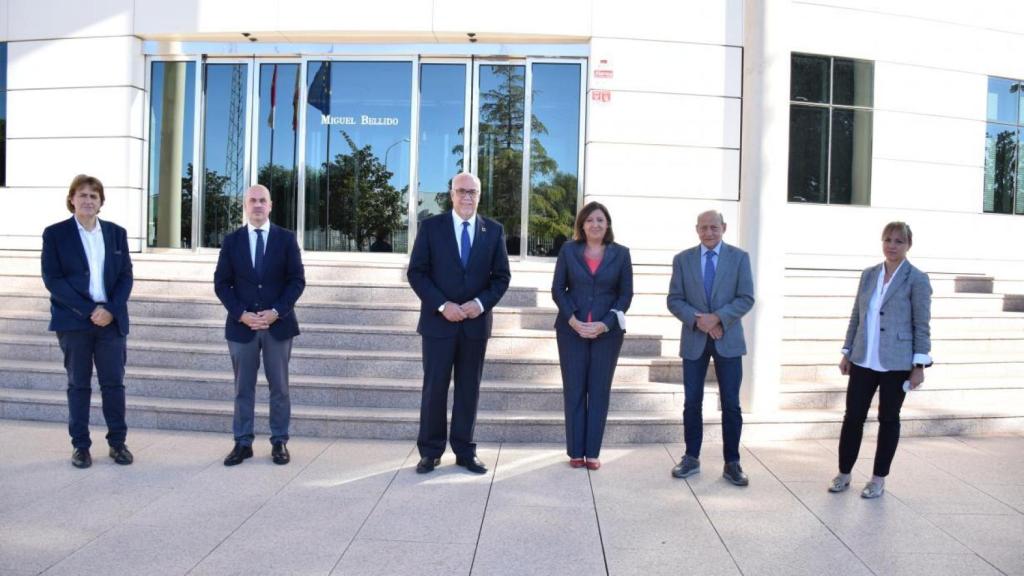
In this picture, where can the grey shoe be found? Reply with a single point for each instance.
(688, 466)
(872, 490)
(734, 474)
(838, 484)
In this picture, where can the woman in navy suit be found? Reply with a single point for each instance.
(888, 342)
(593, 287)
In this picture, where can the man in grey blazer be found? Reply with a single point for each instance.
(712, 288)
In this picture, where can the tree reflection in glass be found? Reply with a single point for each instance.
(500, 149)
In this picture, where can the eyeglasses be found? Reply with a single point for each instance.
(470, 192)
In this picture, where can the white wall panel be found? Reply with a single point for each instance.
(673, 67)
(902, 136)
(919, 90)
(157, 18)
(926, 186)
(992, 14)
(634, 170)
(42, 19)
(54, 162)
(567, 18)
(662, 223)
(649, 118)
(40, 207)
(75, 112)
(4, 19)
(76, 63)
(718, 22)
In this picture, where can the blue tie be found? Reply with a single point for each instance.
(464, 248)
(709, 276)
(259, 254)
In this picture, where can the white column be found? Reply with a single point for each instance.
(763, 185)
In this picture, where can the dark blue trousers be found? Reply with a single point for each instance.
(107, 349)
(442, 356)
(588, 367)
(729, 372)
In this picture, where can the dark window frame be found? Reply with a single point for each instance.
(831, 108)
(1016, 205)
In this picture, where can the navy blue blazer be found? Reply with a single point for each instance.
(436, 275)
(578, 292)
(66, 276)
(239, 289)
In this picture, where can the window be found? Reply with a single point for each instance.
(1004, 181)
(830, 121)
(3, 113)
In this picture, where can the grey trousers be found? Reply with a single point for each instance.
(245, 360)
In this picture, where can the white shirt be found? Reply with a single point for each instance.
(457, 221)
(96, 256)
(252, 240)
(872, 320)
(704, 255)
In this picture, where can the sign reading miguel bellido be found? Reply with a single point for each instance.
(363, 120)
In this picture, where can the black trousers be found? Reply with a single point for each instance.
(442, 356)
(859, 393)
(107, 349)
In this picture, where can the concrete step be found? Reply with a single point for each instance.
(340, 363)
(349, 392)
(841, 283)
(992, 394)
(334, 336)
(962, 350)
(828, 373)
(952, 305)
(501, 426)
(993, 324)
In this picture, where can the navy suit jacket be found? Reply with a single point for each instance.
(436, 275)
(241, 291)
(66, 276)
(578, 292)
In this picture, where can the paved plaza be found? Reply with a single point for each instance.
(954, 505)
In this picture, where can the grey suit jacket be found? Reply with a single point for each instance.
(732, 296)
(904, 318)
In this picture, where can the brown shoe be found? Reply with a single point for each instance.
(577, 462)
(593, 464)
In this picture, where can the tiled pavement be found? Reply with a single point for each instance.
(953, 505)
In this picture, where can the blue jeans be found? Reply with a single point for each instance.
(107, 348)
(730, 374)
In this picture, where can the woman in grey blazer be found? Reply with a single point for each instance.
(593, 287)
(887, 343)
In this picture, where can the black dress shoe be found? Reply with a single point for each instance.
(81, 458)
(734, 474)
(238, 454)
(427, 465)
(280, 453)
(473, 464)
(121, 455)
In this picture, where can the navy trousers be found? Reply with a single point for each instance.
(107, 349)
(729, 372)
(442, 356)
(245, 362)
(588, 367)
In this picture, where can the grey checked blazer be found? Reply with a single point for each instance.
(732, 296)
(904, 318)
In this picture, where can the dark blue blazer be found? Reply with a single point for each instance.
(240, 290)
(436, 275)
(66, 276)
(578, 292)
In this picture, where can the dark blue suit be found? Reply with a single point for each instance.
(588, 365)
(240, 289)
(66, 276)
(437, 276)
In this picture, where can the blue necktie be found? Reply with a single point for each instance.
(259, 253)
(464, 248)
(709, 276)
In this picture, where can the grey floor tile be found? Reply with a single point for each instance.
(539, 540)
(972, 460)
(931, 490)
(387, 558)
(668, 560)
(935, 565)
(999, 539)
(1010, 494)
(539, 476)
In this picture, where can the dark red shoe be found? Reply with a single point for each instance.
(593, 464)
(577, 462)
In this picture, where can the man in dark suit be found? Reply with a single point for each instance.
(259, 278)
(459, 269)
(712, 288)
(88, 272)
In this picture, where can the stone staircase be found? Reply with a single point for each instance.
(356, 366)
